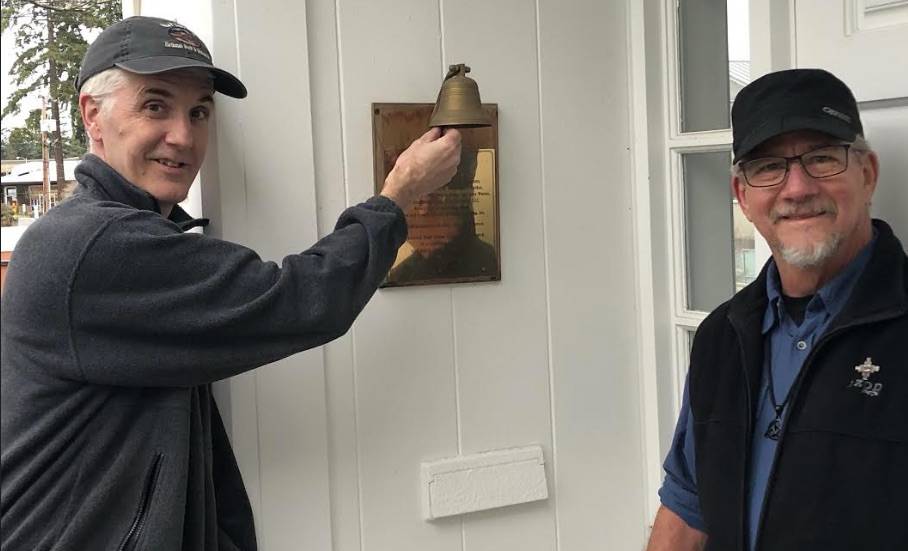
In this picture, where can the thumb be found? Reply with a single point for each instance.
(451, 134)
(433, 134)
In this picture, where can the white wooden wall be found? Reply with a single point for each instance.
(330, 441)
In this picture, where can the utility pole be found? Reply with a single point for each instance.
(45, 161)
(54, 88)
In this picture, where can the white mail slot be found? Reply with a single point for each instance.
(483, 481)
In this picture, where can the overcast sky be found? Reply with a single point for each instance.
(7, 57)
(7, 53)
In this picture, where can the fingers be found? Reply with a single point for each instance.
(437, 133)
(451, 133)
(448, 145)
(433, 134)
(429, 163)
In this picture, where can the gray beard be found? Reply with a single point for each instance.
(811, 255)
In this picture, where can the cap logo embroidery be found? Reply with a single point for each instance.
(837, 114)
(184, 35)
(863, 383)
(185, 39)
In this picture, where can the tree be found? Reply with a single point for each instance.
(24, 142)
(49, 49)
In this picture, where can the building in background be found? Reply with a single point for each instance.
(23, 188)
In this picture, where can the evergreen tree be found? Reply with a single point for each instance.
(24, 142)
(49, 49)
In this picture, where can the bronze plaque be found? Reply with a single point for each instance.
(453, 232)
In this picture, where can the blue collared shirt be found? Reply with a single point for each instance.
(790, 344)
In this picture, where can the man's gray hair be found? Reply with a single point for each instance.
(100, 87)
(861, 144)
(103, 84)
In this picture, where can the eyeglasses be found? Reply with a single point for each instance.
(822, 162)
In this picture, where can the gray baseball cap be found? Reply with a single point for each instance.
(148, 46)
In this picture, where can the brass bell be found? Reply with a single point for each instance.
(458, 103)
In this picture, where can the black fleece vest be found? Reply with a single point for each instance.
(840, 478)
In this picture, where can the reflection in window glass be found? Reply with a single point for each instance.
(708, 226)
(690, 341)
(738, 46)
(711, 77)
(719, 240)
(746, 268)
(687, 346)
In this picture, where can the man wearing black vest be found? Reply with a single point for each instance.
(793, 433)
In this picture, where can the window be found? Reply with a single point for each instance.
(713, 247)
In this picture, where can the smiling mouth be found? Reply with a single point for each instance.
(171, 164)
(802, 216)
(796, 217)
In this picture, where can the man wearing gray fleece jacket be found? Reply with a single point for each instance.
(115, 322)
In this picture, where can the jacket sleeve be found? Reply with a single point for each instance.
(151, 306)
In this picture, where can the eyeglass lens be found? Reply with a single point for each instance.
(818, 163)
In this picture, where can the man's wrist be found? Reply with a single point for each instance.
(383, 202)
(396, 193)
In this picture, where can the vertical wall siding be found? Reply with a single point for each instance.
(279, 218)
(585, 137)
(403, 351)
(331, 190)
(500, 337)
(330, 441)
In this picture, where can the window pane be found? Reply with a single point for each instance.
(709, 229)
(686, 344)
(738, 46)
(710, 76)
(746, 267)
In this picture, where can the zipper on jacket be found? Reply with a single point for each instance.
(138, 523)
(796, 388)
(747, 439)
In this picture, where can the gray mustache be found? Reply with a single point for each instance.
(812, 208)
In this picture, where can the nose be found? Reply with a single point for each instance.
(179, 132)
(798, 183)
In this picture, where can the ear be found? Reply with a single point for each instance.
(90, 110)
(739, 190)
(871, 171)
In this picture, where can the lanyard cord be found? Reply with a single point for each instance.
(775, 426)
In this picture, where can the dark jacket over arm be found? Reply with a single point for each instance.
(114, 322)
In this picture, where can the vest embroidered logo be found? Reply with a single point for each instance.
(863, 383)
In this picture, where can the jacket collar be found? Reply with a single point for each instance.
(882, 289)
(101, 180)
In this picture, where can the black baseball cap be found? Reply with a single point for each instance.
(148, 46)
(796, 99)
